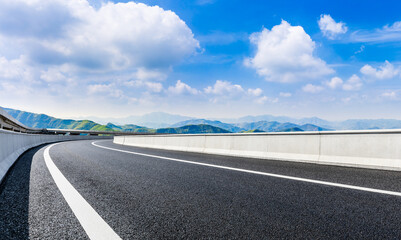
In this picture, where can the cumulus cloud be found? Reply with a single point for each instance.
(262, 100)
(144, 74)
(335, 83)
(155, 87)
(354, 83)
(385, 71)
(310, 88)
(16, 70)
(53, 75)
(285, 94)
(18, 77)
(182, 88)
(285, 54)
(331, 28)
(115, 37)
(255, 92)
(36, 19)
(109, 89)
(117, 50)
(224, 88)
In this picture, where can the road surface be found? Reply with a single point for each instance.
(89, 189)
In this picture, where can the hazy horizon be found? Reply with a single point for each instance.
(104, 120)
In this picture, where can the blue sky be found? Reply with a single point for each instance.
(203, 58)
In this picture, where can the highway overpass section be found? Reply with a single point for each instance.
(158, 194)
(7, 122)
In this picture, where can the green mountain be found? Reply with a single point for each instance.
(252, 131)
(311, 127)
(188, 129)
(280, 127)
(130, 128)
(292, 129)
(365, 124)
(44, 121)
(149, 120)
(226, 126)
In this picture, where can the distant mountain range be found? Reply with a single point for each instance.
(150, 120)
(200, 128)
(164, 122)
(260, 126)
(279, 127)
(44, 121)
(226, 126)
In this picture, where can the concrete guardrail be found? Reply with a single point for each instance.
(378, 149)
(12, 145)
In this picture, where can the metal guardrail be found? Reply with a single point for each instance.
(7, 122)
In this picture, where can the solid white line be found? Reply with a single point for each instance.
(93, 224)
(261, 173)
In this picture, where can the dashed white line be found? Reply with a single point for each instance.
(94, 226)
(373, 190)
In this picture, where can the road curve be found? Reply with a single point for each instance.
(157, 194)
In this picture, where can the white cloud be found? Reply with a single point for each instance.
(262, 100)
(285, 54)
(115, 37)
(182, 88)
(390, 95)
(224, 88)
(255, 92)
(17, 70)
(109, 89)
(354, 83)
(53, 75)
(154, 86)
(385, 71)
(151, 86)
(331, 28)
(66, 49)
(224, 91)
(396, 27)
(388, 33)
(361, 49)
(285, 94)
(310, 88)
(335, 83)
(144, 74)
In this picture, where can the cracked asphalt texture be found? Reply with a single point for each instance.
(149, 198)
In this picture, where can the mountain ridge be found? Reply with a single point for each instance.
(165, 120)
(45, 121)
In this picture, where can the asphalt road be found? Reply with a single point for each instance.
(144, 197)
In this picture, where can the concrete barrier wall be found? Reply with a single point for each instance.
(12, 145)
(378, 149)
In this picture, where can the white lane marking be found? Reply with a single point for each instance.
(261, 173)
(93, 224)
